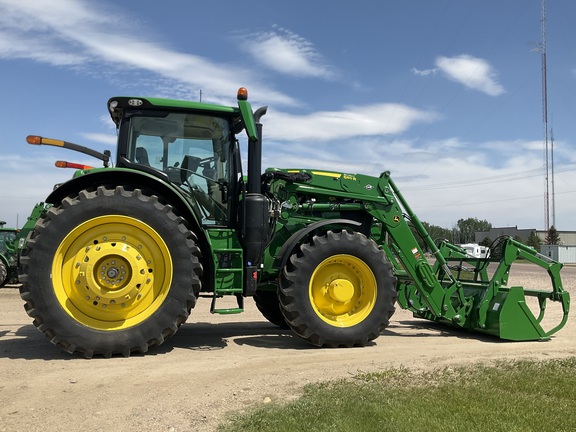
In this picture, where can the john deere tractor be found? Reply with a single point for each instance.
(11, 243)
(120, 254)
(8, 254)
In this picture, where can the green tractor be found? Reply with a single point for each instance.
(11, 243)
(120, 254)
(8, 254)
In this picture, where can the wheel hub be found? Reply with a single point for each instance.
(341, 290)
(113, 273)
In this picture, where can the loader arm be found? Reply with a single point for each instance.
(439, 292)
(415, 273)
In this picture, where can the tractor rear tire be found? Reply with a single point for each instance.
(3, 274)
(110, 271)
(269, 306)
(338, 290)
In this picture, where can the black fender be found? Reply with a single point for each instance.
(159, 185)
(296, 238)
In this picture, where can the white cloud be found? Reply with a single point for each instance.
(109, 140)
(43, 50)
(33, 184)
(76, 33)
(286, 52)
(424, 72)
(354, 121)
(472, 72)
(442, 180)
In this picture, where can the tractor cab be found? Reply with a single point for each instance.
(192, 147)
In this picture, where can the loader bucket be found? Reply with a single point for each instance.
(481, 299)
(510, 318)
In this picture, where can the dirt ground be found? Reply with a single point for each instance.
(220, 364)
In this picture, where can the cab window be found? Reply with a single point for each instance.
(194, 150)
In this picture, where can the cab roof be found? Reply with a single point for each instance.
(118, 104)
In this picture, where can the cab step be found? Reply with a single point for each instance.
(227, 311)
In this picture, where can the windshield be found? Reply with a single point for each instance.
(194, 150)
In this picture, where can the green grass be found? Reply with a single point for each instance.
(520, 396)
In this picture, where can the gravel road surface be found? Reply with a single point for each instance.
(218, 364)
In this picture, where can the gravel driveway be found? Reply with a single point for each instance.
(217, 364)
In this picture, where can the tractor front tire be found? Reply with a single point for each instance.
(110, 271)
(338, 290)
(3, 274)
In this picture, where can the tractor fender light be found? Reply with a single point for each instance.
(242, 93)
(64, 164)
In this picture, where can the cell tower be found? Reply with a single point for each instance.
(545, 121)
(552, 174)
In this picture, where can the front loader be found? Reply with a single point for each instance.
(120, 254)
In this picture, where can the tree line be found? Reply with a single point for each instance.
(465, 229)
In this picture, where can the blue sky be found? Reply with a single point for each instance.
(444, 94)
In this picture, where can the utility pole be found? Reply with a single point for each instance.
(552, 174)
(545, 121)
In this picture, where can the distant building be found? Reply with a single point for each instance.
(565, 252)
(566, 237)
(560, 253)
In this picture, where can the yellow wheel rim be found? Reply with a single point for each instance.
(343, 290)
(112, 272)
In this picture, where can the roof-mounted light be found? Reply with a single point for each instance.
(242, 93)
(112, 105)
